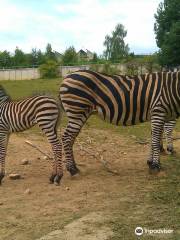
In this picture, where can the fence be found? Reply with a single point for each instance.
(19, 74)
(33, 73)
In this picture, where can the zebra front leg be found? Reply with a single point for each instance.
(157, 129)
(3, 148)
(56, 145)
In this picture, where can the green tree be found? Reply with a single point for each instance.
(49, 54)
(95, 58)
(19, 58)
(5, 59)
(40, 57)
(116, 49)
(70, 56)
(167, 28)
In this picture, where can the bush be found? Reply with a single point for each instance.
(49, 69)
(132, 67)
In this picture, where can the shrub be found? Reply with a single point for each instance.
(49, 69)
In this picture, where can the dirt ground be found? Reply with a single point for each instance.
(83, 207)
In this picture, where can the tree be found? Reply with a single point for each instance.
(70, 56)
(116, 49)
(5, 59)
(167, 28)
(19, 58)
(50, 55)
(95, 58)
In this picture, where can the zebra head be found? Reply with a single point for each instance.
(3, 95)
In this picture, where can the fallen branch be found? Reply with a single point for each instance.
(104, 162)
(176, 138)
(38, 149)
(144, 142)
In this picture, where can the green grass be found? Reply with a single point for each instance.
(162, 206)
(20, 89)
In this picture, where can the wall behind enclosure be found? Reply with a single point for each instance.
(19, 74)
(33, 73)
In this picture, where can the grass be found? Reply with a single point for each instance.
(162, 207)
(20, 89)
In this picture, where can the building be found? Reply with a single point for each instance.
(85, 55)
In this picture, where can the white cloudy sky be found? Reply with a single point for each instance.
(81, 23)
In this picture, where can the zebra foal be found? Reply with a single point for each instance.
(16, 116)
(121, 100)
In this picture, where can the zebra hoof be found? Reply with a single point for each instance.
(73, 170)
(51, 179)
(1, 177)
(170, 151)
(154, 167)
(57, 179)
(149, 162)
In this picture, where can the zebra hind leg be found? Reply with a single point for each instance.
(162, 150)
(68, 139)
(51, 133)
(72, 130)
(157, 129)
(3, 147)
(168, 129)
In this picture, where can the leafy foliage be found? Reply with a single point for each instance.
(116, 49)
(167, 30)
(5, 59)
(70, 56)
(49, 69)
(50, 55)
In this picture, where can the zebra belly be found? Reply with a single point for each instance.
(118, 122)
(21, 127)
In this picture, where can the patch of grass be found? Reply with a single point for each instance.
(25, 88)
(160, 208)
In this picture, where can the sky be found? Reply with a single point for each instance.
(79, 23)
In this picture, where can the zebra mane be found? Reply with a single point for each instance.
(3, 95)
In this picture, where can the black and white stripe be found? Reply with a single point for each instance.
(121, 100)
(168, 134)
(16, 116)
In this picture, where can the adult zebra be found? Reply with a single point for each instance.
(16, 116)
(121, 100)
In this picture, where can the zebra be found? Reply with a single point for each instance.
(121, 100)
(168, 129)
(16, 116)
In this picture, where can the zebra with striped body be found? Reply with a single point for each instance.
(16, 116)
(121, 100)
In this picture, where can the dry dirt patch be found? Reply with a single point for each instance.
(88, 227)
(79, 206)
